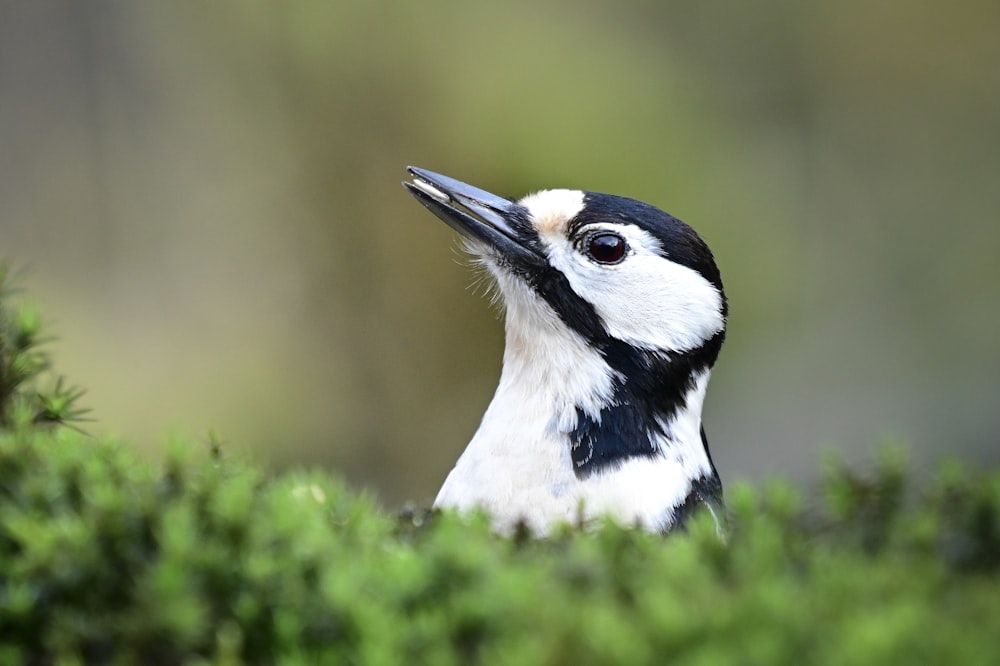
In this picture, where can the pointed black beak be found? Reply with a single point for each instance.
(501, 224)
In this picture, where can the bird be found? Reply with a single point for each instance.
(615, 315)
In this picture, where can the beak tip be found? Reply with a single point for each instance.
(421, 185)
(475, 213)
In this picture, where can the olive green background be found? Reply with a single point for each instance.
(205, 200)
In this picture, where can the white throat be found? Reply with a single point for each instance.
(519, 465)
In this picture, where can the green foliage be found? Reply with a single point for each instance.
(105, 558)
(108, 560)
(23, 363)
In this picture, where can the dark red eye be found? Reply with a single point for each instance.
(606, 248)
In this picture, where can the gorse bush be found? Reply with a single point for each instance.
(108, 559)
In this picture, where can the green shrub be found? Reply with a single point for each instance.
(105, 558)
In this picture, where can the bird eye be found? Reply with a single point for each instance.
(606, 248)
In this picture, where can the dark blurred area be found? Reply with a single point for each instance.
(205, 199)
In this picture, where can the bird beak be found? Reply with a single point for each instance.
(503, 225)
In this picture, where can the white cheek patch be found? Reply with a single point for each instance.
(647, 300)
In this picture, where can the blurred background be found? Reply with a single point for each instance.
(204, 200)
